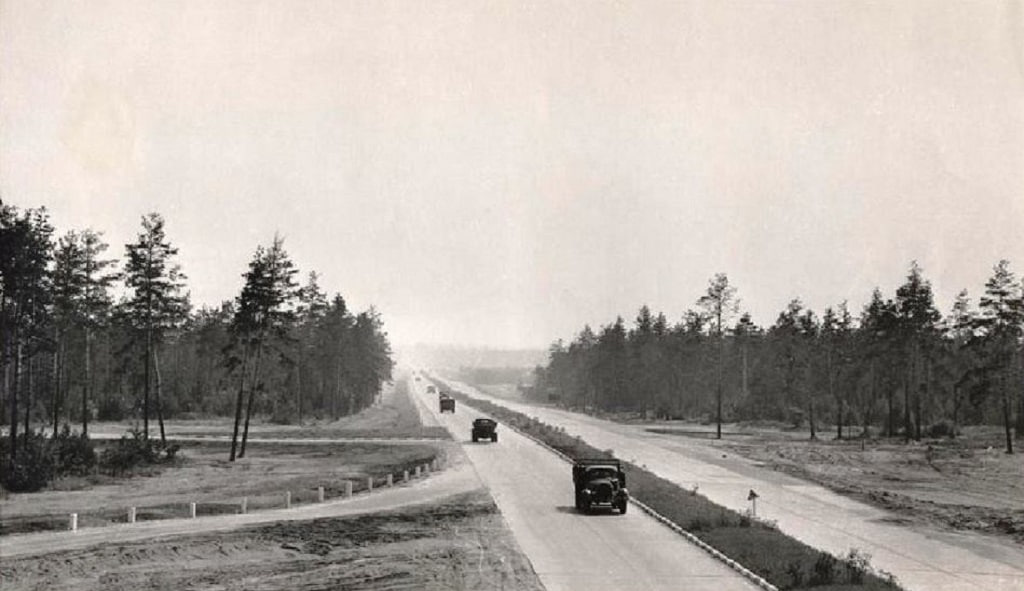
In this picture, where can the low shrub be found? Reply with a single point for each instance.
(74, 453)
(133, 450)
(33, 467)
(941, 430)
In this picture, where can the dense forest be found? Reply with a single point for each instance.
(898, 368)
(89, 336)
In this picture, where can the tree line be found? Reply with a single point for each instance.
(899, 367)
(86, 336)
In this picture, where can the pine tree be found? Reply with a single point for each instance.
(918, 321)
(1000, 325)
(156, 302)
(25, 289)
(312, 305)
(263, 317)
(719, 304)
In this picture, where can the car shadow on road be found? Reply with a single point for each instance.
(596, 513)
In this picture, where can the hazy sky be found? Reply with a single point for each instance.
(503, 172)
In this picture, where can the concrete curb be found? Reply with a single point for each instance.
(736, 566)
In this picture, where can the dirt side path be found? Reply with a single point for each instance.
(459, 542)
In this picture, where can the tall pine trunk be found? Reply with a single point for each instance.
(15, 386)
(56, 380)
(238, 402)
(1007, 425)
(159, 401)
(298, 386)
(28, 396)
(87, 388)
(254, 386)
(1020, 399)
(907, 425)
(869, 407)
(145, 402)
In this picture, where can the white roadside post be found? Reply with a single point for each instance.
(245, 505)
(73, 522)
(131, 514)
(390, 480)
(192, 509)
(320, 494)
(348, 488)
(288, 499)
(369, 484)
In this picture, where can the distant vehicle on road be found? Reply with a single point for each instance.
(431, 389)
(485, 429)
(447, 404)
(599, 483)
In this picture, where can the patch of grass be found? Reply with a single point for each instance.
(277, 467)
(782, 560)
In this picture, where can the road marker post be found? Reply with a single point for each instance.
(319, 494)
(245, 505)
(405, 476)
(348, 488)
(192, 509)
(426, 468)
(369, 484)
(287, 499)
(416, 474)
(73, 525)
(131, 514)
(390, 480)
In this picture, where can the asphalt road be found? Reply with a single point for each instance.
(570, 551)
(922, 559)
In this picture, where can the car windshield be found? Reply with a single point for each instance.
(602, 472)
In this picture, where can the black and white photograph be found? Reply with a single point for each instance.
(512, 295)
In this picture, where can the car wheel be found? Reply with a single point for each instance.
(494, 438)
(622, 507)
(474, 439)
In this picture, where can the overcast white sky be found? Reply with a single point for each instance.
(503, 172)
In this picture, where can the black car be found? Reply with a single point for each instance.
(599, 482)
(485, 429)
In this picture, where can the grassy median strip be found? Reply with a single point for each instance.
(782, 560)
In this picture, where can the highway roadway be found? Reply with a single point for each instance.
(569, 551)
(922, 559)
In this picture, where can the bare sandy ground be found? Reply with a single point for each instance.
(458, 543)
(966, 484)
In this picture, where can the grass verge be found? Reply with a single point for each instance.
(782, 560)
(202, 475)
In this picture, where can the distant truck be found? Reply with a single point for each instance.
(431, 389)
(485, 429)
(447, 404)
(599, 483)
